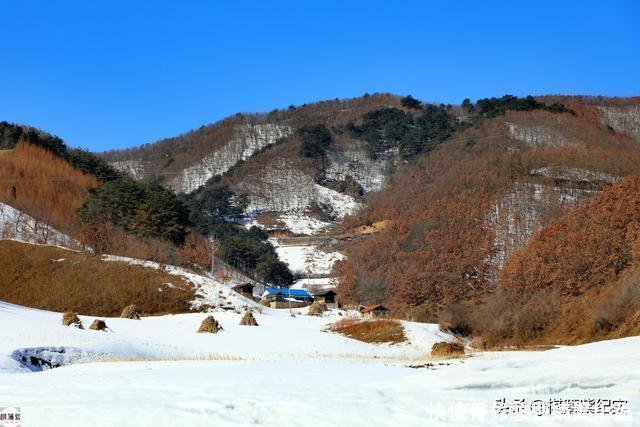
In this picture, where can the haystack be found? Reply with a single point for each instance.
(71, 319)
(447, 349)
(209, 325)
(98, 325)
(131, 312)
(317, 308)
(248, 319)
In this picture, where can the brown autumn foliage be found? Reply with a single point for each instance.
(371, 331)
(434, 259)
(42, 185)
(577, 280)
(62, 280)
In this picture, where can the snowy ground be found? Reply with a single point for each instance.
(307, 258)
(287, 372)
(15, 224)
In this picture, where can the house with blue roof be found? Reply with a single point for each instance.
(282, 297)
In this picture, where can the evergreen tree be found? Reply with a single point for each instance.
(410, 102)
(315, 140)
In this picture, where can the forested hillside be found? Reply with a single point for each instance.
(310, 164)
(457, 215)
(46, 187)
(577, 280)
(47, 184)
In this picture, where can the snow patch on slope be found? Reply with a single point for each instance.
(300, 223)
(354, 162)
(285, 189)
(17, 225)
(133, 168)
(307, 259)
(575, 175)
(248, 139)
(339, 205)
(536, 135)
(524, 210)
(625, 120)
(211, 293)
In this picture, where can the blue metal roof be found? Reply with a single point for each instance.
(288, 292)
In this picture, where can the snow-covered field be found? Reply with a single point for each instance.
(286, 372)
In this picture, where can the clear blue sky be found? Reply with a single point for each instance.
(112, 74)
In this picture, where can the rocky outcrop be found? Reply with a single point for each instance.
(134, 168)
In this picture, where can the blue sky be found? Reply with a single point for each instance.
(113, 74)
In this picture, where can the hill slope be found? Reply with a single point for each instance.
(587, 263)
(44, 186)
(259, 156)
(458, 214)
(53, 278)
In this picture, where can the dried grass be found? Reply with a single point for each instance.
(85, 284)
(371, 331)
(248, 320)
(131, 312)
(98, 325)
(447, 349)
(71, 319)
(209, 325)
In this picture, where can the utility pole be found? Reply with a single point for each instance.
(213, 246)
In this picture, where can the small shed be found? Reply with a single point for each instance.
(375, 311)
(245, 289)
(327, 297)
